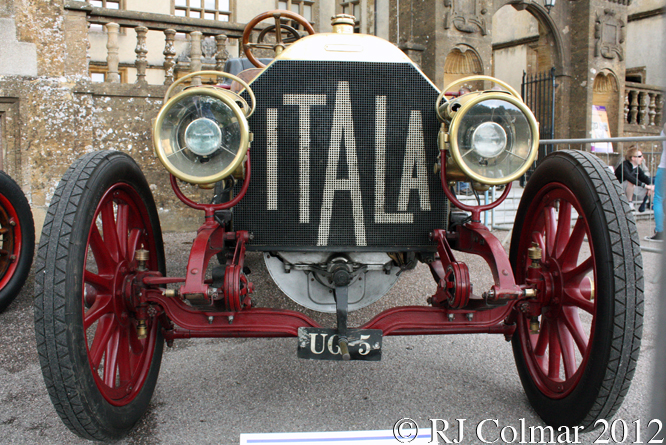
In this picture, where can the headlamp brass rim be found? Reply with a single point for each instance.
(244, 136)
(219, 74)
(455, 150)
(496, 81)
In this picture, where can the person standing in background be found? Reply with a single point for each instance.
(659, 191)
(632, 177)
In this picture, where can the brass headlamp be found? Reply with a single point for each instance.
(491, 137)
(201, 134)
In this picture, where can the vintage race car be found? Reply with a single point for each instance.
(350, 180)
(17, 239)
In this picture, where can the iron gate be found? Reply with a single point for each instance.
(538, 92)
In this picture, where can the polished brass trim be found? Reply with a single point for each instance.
(501, 83)
(453, 137)
(343, 24)
(247, 113)
(229, 100)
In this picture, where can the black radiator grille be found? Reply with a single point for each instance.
(322, 131)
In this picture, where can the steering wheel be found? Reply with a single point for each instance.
(279, 27)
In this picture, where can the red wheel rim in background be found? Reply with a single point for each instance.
(11, 243)
(557, 356)
(119, 360)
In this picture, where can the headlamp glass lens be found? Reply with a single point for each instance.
(203, 136)
(494, 138)
(489, 139)
(200, 135)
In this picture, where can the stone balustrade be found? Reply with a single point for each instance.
(141, 62)
(197, 31)
(643, 107)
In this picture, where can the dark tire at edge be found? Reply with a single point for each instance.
(58, 316)
(616, 343)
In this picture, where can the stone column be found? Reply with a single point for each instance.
(169, 55)
(222, 55)
(141, 51)
(112, 59)
(195, 56)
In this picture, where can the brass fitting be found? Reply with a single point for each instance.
(530, 293)
(141, 256)
(343, 24)
(142, 330)
(534, 325)
(534, 253)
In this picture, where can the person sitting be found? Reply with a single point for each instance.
(632, 177)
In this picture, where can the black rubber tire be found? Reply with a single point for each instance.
(61, 340)
(26, 228)
(614, 348)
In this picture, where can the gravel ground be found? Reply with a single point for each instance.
(210, 391)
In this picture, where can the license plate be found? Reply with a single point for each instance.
(322, 344)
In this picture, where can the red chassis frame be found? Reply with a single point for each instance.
(454, 310)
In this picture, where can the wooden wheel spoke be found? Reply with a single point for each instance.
(105, 263)
(573, 277)
(569, 255)
(542, 340)
(567, 347)
(572, 321)
(3, 230)
(551, 230)
(133, 243)
(111, 358)
(110, 231)
(563, 228)
(554, 352)
(101, 283)
(573, 297)
(122, 227)
(105, 328)
(103, 305)
(125, 365)
(4, 252)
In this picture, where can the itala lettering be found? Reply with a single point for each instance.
(414, 170)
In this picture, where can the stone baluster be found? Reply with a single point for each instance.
(169, 55)
(633, 107)
(222, 55)
(112, 59)
(652, 113)
(626, 106)
(141, 50)
(643, 101)
(195, 56)
(659, 117)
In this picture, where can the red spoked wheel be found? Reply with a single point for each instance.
(589, 305)
(119, 357)
(88, 321)
(17, 239)
(557, 355)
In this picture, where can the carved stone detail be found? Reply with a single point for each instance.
(112, 58)
(466, 15)
(169, 55)
(141, 50)
(222, 55)
(195, 56)
(609, 35)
